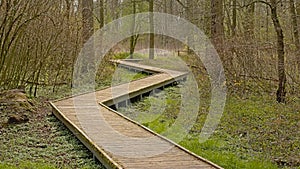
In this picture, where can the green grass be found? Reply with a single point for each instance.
(107, 75)
(27, 165)
(126, 55)
(217, 151)
(43, 142)
(255, 131)
(31, 165)
(121, 76)
(249, 135)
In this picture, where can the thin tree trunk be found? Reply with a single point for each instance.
(101, 5)
(234, 17)
(115, 5)
(249, 26)
(151, 46)
(87, 19)
(132, 38)
(281, 92)
(295, 28)
(267, 24)
(115, 10)
(164, 38)
(298, 8)
(298, 18)
(217, 23)
(88, 30)
(190, 16)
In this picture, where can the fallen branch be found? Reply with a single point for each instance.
(45, 84)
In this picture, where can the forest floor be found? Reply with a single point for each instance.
(255, 131)
(31, 137)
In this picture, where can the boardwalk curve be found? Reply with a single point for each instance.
(104, 138)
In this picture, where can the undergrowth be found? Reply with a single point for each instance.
(255, 131)
(43, 142)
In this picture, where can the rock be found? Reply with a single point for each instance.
(15, 106)
(16, 95)
(16, 119)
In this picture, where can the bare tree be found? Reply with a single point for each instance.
(101, 13)
(16, 18)
(134, 38)
(295, 28)
(151, 45)
(281, 92)
(87, 19)
(217, 21)
(217, 26)
(234, 17)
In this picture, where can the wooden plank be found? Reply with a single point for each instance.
(101, 135)
(101, 155)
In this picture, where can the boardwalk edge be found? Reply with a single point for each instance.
(99, 153)
(162, 137)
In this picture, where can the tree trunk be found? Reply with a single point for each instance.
(234, 17)
(295, 28)
(249, 57)
(115, 10)
(217, 23)
(281, 93)
(115, 6)
(132, 38)
(249, 21)
(171, 7)
(267, 25)
(190, 17)
(298, 8)
(101, 16)
(298, 18)
(87, 19)
(165, 10)
(87, 31)
(151, 46)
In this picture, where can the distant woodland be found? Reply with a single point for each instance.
(258, 40)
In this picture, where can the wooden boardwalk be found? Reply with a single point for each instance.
(117, 141)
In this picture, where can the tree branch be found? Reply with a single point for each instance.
(181, 4)
(254, 2)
